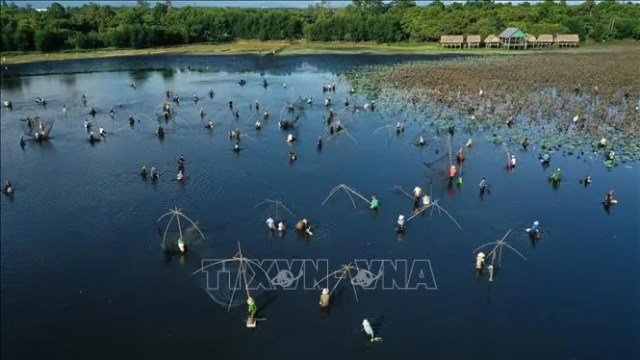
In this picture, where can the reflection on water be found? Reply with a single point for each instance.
(82, 259)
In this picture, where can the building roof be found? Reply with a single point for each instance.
(546, 38)
(512, 32)
(568, 38)
(531, 38)
(491, 39)
(451, 39)
(473, 38)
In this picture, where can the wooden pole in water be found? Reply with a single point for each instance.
(450, 156)
(178, 219)
(244, 274)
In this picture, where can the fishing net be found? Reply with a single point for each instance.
(37, 125)
(226, 281)
(175, 227)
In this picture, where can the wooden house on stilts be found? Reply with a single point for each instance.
(563, 40)
(545, 40)
(492, 41)
(473, 41)
(513, 38)
(455, 41)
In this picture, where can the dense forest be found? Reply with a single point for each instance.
(94, 26)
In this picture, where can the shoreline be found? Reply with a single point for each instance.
(286, 48)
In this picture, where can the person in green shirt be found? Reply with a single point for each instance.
(253, 308)
(556, 176)
(374, 203)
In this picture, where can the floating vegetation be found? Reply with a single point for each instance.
(553, 99)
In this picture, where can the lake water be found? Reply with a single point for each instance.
(84, 276)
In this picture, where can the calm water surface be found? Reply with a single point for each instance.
(84, 277)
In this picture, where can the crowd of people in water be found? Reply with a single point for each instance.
(39, 131)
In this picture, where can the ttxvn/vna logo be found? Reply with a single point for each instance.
(314, 274)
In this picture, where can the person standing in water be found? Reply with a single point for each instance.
(586, 181)
(545, 158)
(325, 298)
(374, 204)
(7, 188)
(304, 226)
(534, 230)
(452, 172)
(480, 261)
(426, 200)
(252, 308)
(483, 185)
(92, 137)
(609, 199)
(417, 193)
(270, 223)
(400, 225)
(460, 156)
(556, 177)
(511, 163)
(181, 162)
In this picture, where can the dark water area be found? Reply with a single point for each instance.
(281, 65)
(84, 276)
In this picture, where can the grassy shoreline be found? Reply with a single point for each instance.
(296, 48)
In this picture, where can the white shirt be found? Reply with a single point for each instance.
(280, 226)
(270, 223)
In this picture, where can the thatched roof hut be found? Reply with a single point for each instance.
(513, 38)
(545, 40)
(452, 40)
(567, 40)
(473, 41)
(491, 41)
(531, 39)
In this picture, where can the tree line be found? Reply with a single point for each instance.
(94, 26)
